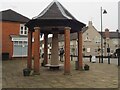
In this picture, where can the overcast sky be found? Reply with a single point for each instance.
(82, 10)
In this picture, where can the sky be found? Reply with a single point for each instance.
(82, 10)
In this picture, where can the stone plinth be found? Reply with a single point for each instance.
(54, 52)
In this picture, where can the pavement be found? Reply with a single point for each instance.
(100, 75)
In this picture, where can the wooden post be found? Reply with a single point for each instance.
(29, 61)
(37, 50)
(80, 57)
(67, 51)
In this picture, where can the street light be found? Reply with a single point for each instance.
(102, 11)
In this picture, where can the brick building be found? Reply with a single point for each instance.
(14, 34)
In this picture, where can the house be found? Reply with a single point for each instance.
(14, 34)
(91, 40)
(111, 40)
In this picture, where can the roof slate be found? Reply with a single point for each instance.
(54, 11)
(10, 15)
(55, 16)
(112, 34)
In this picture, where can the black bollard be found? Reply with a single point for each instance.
(90, 57)
(101, 58)
(118, 54)
(108, 51)
(108, 59)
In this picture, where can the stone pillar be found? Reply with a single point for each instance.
(54, 52)
(67, 50)
(80, 56)
(29, 61)
(37, 50)
(45, 48)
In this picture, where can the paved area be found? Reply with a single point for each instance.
(100, 75)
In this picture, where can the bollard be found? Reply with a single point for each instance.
(108, 59)
(90, 57)
(118, 54)
(71, 57)
(108, 51)
(101, 58)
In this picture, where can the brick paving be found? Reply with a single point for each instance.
(100, 75)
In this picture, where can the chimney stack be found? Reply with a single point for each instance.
(107, 34)
(90, 23)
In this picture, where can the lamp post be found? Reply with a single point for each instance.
(102, 11)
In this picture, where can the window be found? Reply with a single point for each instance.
(88, 49)
(87, 39)
(20, 43)
(15, 42)
(23, 30)
(71, 43)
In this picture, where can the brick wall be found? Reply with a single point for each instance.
(9, 28)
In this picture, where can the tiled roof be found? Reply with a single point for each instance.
(112, 34)
(54, 11)
(10, 15)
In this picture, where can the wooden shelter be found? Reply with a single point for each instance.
(54, 19)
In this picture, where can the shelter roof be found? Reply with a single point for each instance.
(54, 18)
(54, 11)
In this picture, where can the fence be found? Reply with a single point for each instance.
(99, 58)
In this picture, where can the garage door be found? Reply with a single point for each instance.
(20, 48)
